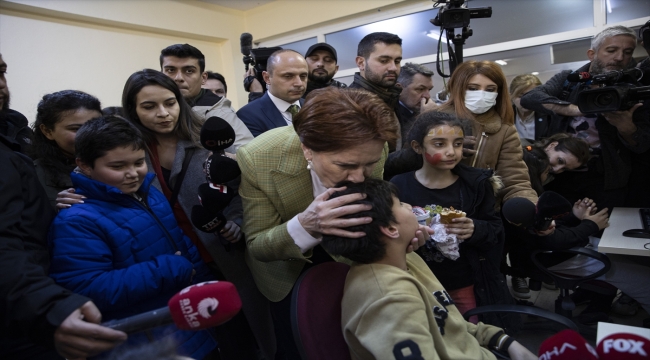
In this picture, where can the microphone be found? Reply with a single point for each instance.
(624, 346)
(216, 134)
(215, 197)
(221, 169)
(566, 345)
(579, 77)
(246, 43)
(196, 307)
(550, 206)
(519, 212)
(205, 221)
(522, 212)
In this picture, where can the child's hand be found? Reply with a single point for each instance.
(519, 352)
(583, 208)
(463, 227)
(601, 218)
(421, 236)
(549, 231)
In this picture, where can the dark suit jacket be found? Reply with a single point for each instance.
(261, 115)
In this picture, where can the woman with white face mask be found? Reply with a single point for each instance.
(478, 91)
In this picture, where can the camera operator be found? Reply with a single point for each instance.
(616, 138)
(644, 65)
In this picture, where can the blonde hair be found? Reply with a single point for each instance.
(523, 82)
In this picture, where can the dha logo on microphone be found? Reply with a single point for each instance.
(213, 143)
(626, 346)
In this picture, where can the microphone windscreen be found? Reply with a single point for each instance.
(204, 305)
(221, 169)
(215, 197)
(246, 43)
(566, 345)
(550, 206)
(217, 134)
(519, 212)
(205, 221)
(579, 77)
(623, 346)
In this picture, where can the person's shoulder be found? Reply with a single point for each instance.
(271, 141)
(16, 118)
(378, 280)
(404, 178)
(262, 101)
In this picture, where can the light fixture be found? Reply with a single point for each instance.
(501, 62)
(535, 73)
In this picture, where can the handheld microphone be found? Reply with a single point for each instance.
(566, 345)
(246, 43)
(205, 221)
(196, 307)
(550, 206)
(221, 169)
(217, 134)
(579, 77)
(624, 346)
(215, 197)
(519, 212)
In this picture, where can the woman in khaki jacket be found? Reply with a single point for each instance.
(478, 91)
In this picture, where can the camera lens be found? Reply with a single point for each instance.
(604, 99)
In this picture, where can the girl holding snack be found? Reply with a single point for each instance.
(464, 253)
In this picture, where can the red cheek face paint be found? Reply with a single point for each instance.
(433, 160)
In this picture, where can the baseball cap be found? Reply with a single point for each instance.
(322, 46)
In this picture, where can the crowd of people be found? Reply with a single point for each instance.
(97, 204)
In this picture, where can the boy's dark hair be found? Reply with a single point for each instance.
(370, 248)
(367, 44)
(430, 119)
(183, 51)
(101, 135)
(217, 76)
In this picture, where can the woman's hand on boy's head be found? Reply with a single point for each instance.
(67, 198)
(583, 208)
(463, 227)
(421, 236)
(324, 215)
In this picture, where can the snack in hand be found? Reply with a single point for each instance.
(450, 213)
(421, 214)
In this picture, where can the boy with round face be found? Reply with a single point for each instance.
(392, 302)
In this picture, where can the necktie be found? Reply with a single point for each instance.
(293, 110)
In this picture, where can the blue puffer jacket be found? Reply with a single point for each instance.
(121, 254)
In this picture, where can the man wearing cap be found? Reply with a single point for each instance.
(322, 62)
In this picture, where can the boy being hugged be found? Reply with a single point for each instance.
(122, 246)
(393, 306)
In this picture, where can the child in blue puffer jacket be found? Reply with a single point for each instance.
(122, 247)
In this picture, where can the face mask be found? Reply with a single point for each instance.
(479, 101)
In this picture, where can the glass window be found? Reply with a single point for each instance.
(511, 20)
(300, 46)
(621, 10)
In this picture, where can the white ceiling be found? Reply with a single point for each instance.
(242, 5)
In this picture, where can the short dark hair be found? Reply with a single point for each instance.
(273, 58)
(103, 134)
(217, 76)
(409, 70)
(183, 51)
(367, 44)
(369, 248)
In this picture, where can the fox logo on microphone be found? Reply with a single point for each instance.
(623, 346)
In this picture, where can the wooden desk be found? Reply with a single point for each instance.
(613, 241)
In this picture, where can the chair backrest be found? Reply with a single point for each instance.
(565, 281)
(316, 312)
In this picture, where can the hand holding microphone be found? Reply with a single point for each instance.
(196, 307)
(550, 206)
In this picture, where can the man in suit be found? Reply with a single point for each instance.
(286, 79)
(416, 82)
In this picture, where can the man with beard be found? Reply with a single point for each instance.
(378, 58)
(12, 123)
(322, 61)
(618, 139)
(185, 64)
(416, 82)
(286, 80)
